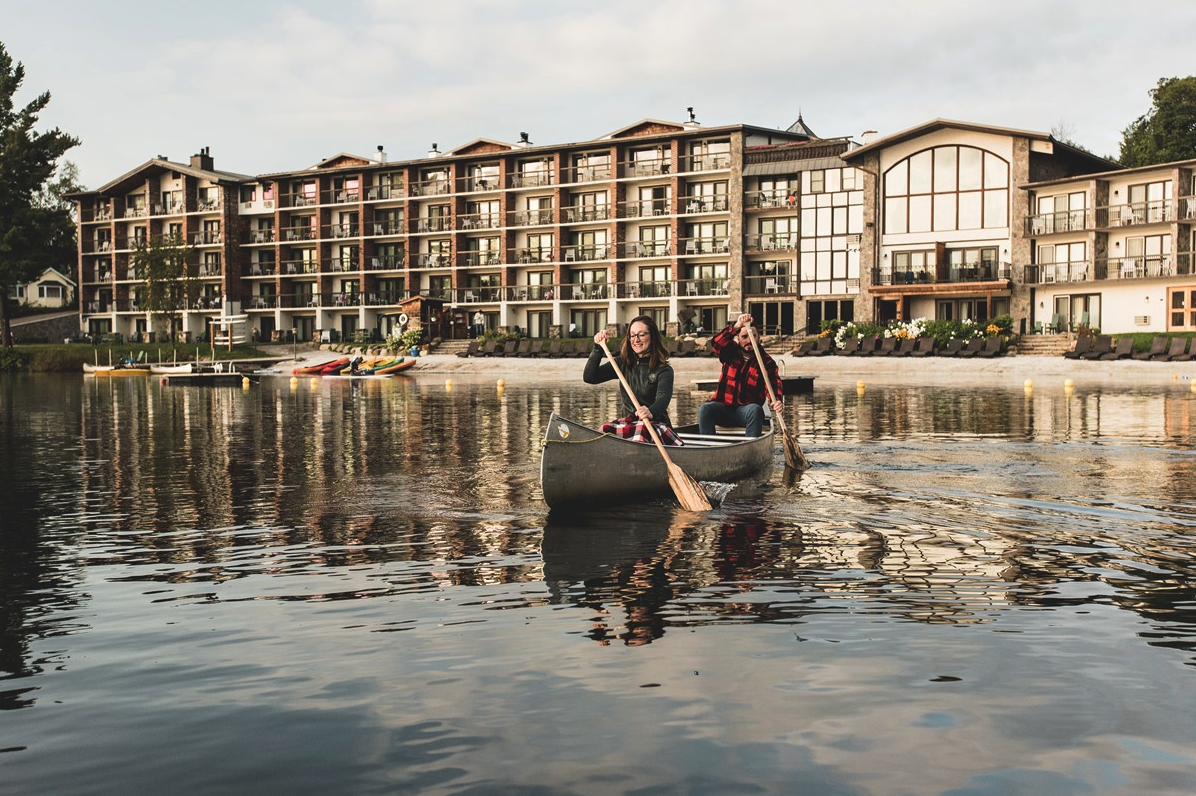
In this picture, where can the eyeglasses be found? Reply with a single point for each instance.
(639, 335)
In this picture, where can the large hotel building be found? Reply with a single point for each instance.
(686, 223)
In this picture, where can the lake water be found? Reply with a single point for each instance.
(354, 588)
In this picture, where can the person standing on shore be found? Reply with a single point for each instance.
(741, 393)
(645, 364)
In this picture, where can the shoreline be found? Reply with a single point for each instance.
(1005, 370)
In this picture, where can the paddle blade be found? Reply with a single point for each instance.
(793, 454)
(688, 491)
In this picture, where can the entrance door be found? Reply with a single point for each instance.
(773, 317)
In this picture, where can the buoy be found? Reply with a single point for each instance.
(245, 382)
(315, 383)
(1069, 385)
(1175, 377)
(502, 383)
(448, 385)
(859, 385)
(1028, 384)
(1194, 386)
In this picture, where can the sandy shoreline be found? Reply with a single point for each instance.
(830, 369)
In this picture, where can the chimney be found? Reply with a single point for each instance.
(867, 137)
(434, 152)
(523, 141)
(381, 156)
(202, 161)
(692, 124)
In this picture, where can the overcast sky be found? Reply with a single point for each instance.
(275, 85)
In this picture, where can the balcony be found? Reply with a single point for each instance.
(1135, 214)
(383, 227)
(1150, 266)
(344, 229)
(769, 243)
(577, 174)
(535, 255)
(434, 187)
(704, 204)
(209, 237)
(393, 263)
(531, 218)
(479, 183)
(297, 267)
(694, 247)
(769, 200)
(433, 224)
(586, 253)
(646, 208)
(582, 214)
(209, 269)
(1054, 273)
(431, 261)
(341, 196)
(531, 179)
(293, 234)
(481, 221)
(944, 275)
(1052, 223)
(300, 300)
(646, 249)
(343, 264)
(263, 302)
(706, 161)
(305, 199)
(261, 269)
(780, 283)
(265, 235)
(647, 167)
(473, 259)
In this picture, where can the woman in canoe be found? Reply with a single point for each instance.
(645, 364)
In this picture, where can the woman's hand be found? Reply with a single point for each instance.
(601, 338)
(643, 413)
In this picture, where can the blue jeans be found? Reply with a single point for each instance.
(712, 413)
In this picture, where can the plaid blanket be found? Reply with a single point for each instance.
(632, 428)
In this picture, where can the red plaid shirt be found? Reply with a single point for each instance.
(740, 383)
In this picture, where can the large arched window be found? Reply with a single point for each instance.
(947, 188)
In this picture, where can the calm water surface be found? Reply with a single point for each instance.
(356, 589)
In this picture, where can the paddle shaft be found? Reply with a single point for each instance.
(772, 396)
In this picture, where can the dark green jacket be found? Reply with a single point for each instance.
(653, 389)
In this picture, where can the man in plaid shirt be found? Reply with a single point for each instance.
(739, 398)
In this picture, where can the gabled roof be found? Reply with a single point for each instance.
(935, 125)
(800, 127)
(341, 160)
(480, 146)
(59, 274)
(645, 127)
(159, 165)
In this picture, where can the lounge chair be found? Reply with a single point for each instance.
(519, 349)
(554, 348)
(1177, 348)
(1157, 346)
(952, 348)
(489, 348)
(923, 347)
(867, 346)
(1083, 344)
(824, 347)
(972, 347)
(1102, 346)
(673, 347)
(471, 351)
(804, 348)
(886, 347)
(582, 348)
(1124, 349)
(1188, 357)
(689, 348)
(850, 346)
(992, 348)
(905, 347)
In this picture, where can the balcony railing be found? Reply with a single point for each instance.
(1063, 221)
(261, 269)
(342, 264)
(1161, 211)
(299, 300)
(392, 263)
(541, 254)
(290, 234)
(481, 221)
(341, 196)
(954, 274)
(91, 215)
(580, 214)
(297, 267)
(587, 174)
(344, 229)
(168, 209)
(770, 243)
(586, 253)
(479, 183)
(648, 248)
(259, 235)
(298, 199)
(263, 302)
(530, 218)
(704, 204)
(207, 269)
(767, 200)
(1149, 266)
(472, 259)
(386, 227)
(531, 179)
(431, 261)
(433, 224)
(1052, 273)
(706, 161)
(776, 283)
(375, 193)
(691, 247)
(646, 208)
(436, 187)
(646, 167)
(206, 238)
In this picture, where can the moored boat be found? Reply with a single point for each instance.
(583, 465)
(115, 370)
(319, 367)
(398, 366)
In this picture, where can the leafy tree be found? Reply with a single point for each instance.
(32, 231)
(1168, 131)
(162, 264)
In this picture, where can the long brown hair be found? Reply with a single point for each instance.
(658, 355)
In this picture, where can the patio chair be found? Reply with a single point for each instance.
(923, 347)
(471, 351)
(1083, 344)
(1177, 348)
(886, 348)
(803, 348)
(905, 347)
(867, 347)
(992, 348)
(952, 348)
(1157, 346)
(972, 347)
(689, 348)
(1103, 345)
(1124, 349)
(850, 346)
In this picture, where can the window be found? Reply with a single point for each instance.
(1182, 304)
(911, 267)
(1151, 202)
(947, 188)
(1149, 255)
(591, 166)
(833, 310)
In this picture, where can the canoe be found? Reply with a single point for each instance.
(314, 370)
(182, 367)
(115, 370)
(400, 365)
(583, 465)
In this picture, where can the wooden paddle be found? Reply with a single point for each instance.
(688, 491)
(793, 455)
